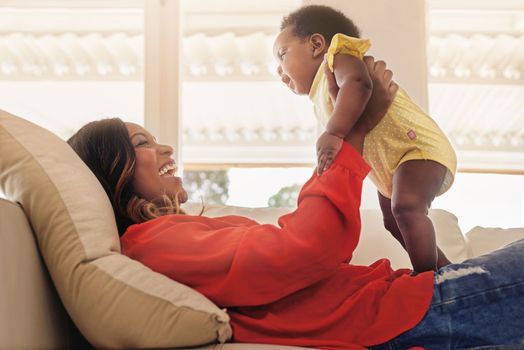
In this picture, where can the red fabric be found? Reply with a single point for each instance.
(290, 284)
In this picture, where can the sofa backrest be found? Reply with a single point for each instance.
(375, 242)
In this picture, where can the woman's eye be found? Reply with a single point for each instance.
(141, 143)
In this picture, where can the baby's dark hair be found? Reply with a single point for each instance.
(320, 19)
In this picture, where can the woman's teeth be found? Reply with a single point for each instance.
(167, 169)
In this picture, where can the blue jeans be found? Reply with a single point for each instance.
(477, 304)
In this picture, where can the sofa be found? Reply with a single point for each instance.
(32, 316)
(65, 285)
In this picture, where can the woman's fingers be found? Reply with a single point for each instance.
(388, 75)
(380, 66)
(379, 73)
(370, 62)
(378, 70)
(393, 88)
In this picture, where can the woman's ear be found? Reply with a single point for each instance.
(318, 44)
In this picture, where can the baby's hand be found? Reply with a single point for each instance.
(328, 146)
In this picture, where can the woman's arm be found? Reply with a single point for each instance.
(237, 262)
(241, 263)
(324, 230)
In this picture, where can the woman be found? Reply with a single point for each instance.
(292, 284)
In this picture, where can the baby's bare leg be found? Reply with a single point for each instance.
(389, 220)
(415, 185)
(391, 225)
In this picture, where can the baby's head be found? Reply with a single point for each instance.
(304, 38)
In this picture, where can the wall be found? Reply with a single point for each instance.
(398, 35)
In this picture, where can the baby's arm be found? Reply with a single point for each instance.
(355, 85)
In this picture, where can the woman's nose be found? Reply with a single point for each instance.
(279, 71)
(166, 149)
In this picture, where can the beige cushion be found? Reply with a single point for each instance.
(375, 242)
(483, 240)
(115, 302)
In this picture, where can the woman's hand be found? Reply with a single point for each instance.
(384, 90)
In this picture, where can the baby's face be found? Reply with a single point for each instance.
(297, 64)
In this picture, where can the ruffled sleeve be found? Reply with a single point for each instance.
(346, 45)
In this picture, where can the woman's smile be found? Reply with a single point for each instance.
(155, 169)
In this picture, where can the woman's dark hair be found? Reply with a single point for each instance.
(320, 19)
(106, 149)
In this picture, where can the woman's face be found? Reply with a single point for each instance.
(155, 168)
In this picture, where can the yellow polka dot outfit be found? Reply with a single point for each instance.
(405, 133)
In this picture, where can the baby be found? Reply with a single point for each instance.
(412, 160)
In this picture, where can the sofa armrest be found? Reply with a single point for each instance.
(32, 316)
